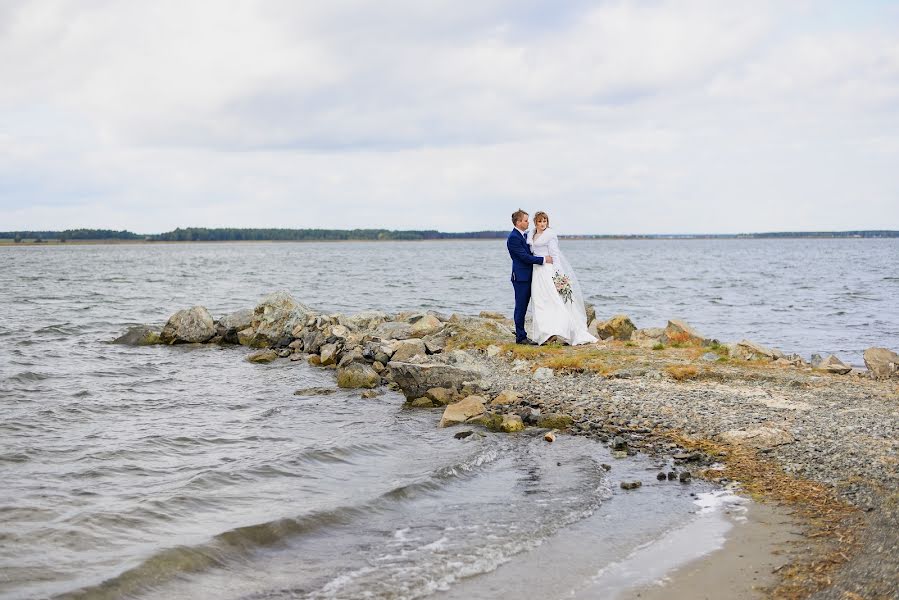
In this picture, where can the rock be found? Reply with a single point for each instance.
(415, 379)
(543, 374)
(491, 421)
(461, 411)
(365, 321)
(747, 350)
(832, 364)
(351, 356)
(549, 437)
(357, 375)
(506, 397)
(262, 356)
(422, 403)
(881, 362)
(284, 352)
(461, 435)
(511, 424)
(631, 485)
(685, 476)
(679, 332)
(709, 356)
(489, 314)
(276, 316)
(493, 350)
(442, 396)
(404, 350)
(232, 323)
(591, 312)
(369, 394)
(815, 360)
(763, 438)
(619, 327)
(328, 354)
(477, 330)
(393, 330)
(426, 325)
(605, 467)
(315, 391)
(246, 337)
(378, 366)
(140, 335)
(672, 475)
(189, 326)
(618, 443)
(434, 344)
(648, 336)
(554, 421)
(315, 360)
(661, 476)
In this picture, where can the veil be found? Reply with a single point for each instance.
(577, 296)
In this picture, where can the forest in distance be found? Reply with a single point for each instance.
(203, 234)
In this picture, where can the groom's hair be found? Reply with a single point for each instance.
(517, 215)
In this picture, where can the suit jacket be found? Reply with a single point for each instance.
(523, 260)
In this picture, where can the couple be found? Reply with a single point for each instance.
(540, 272)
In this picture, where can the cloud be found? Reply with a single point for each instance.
(617, 116)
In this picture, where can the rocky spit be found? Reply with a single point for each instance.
(818, 436)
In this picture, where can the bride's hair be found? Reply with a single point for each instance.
(541, 215)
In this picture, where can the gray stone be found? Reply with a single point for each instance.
(832, 364)
(883, 363)
(426, 325)
(140, 335)
(543, 374)
(190, 326)
(747, 350)
(435, 343)
(631, 485)
(763, 438)
(357, 375)
(591, 312)
(232, 323)
(415, 379)
(365, 321)
(262, 356)
(276, 316)
(392, 330)
(404, 350)
(328, 354)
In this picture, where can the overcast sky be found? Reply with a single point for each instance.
(614, 117)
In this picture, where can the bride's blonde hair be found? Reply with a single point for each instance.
(541, 215)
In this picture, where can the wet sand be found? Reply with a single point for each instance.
(760, 542)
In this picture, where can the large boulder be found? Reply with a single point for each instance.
(881, 362)
(680, 332)
(832, 364)
(393, 330)
(357, 375)
(262, 356)
(477, 330)
(140, 335)
(229, 325)
(426, 325)
(747, 350)
(405, 350)
(365, 321)
(189, 326)
(619, 327)
(461, 411)
(648, 336)
(511, 423)
(276, 316)
(415, 379)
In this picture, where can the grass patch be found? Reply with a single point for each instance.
(531, 352)
(575, 363)
(682, 372)
(659, 346)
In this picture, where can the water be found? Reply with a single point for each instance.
(187, 472)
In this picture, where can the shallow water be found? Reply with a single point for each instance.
(188, 472)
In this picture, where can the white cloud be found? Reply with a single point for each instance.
(643, 116)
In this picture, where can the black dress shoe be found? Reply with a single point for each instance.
(527, 342)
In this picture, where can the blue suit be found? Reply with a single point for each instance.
(523, 261)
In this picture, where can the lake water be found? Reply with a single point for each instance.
(180, 472)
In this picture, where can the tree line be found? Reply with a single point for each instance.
(230, 234)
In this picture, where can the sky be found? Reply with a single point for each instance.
(615, 117)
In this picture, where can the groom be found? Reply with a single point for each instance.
(523, 261)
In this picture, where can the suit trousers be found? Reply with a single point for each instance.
(522, 299)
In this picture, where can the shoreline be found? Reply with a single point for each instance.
(818, 444)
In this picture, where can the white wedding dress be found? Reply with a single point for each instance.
(553, 315)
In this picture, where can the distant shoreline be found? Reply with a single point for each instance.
(29, 243)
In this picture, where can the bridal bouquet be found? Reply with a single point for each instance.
(563, 286)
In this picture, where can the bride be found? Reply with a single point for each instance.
(558, 302)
